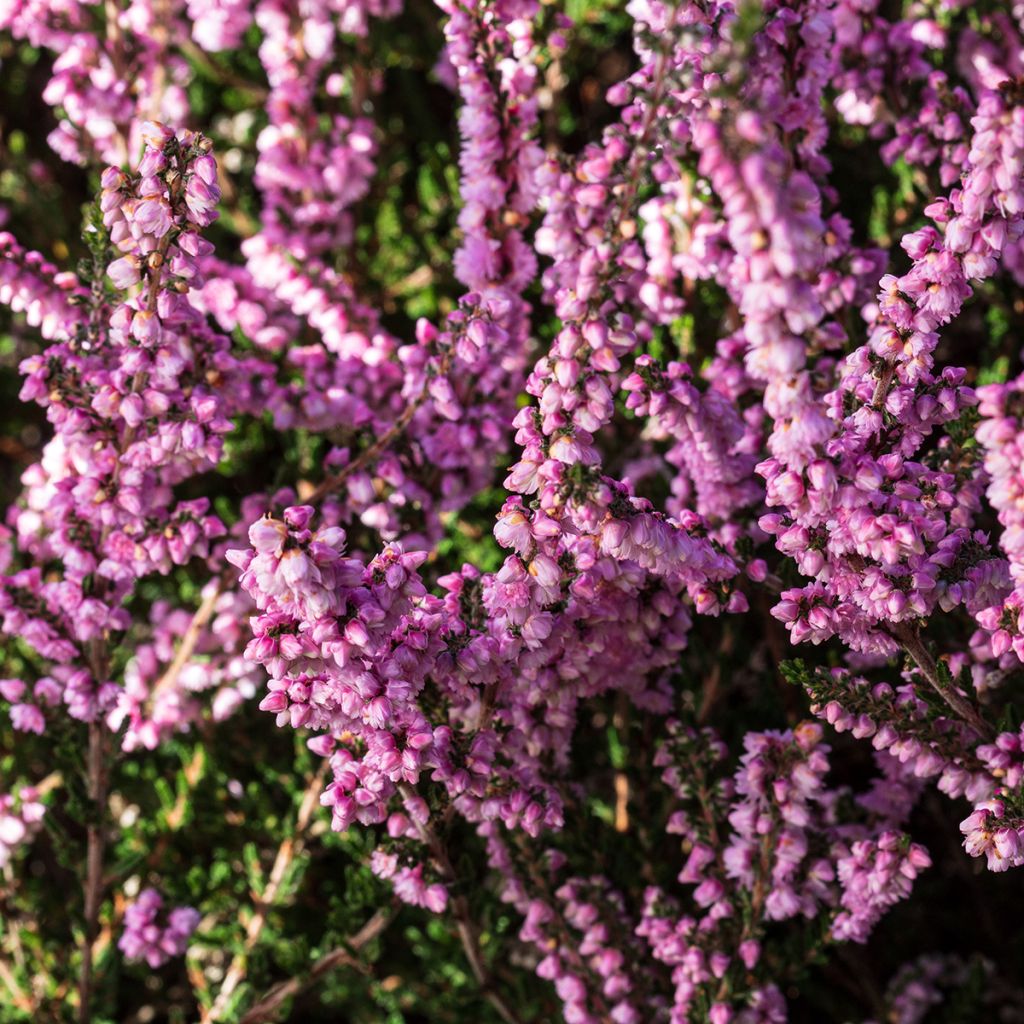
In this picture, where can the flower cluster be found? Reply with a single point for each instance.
(514, 527)
(903, 543)
(999, 434)
(21, 816)
(130, 392)
(153, 936)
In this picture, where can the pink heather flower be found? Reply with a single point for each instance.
(268, 535)
(202, 195)
(152, 216)
(150, 935)
(124, 272)
(146, 328)
(155, 135)
(513, 531)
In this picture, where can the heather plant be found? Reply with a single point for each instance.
(514, 512)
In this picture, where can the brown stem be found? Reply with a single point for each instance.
(159, 35)
(464, 922)
(190, 638)
(621, 778)
(96, 769)
(346, 955)
(712, 685)
(881, 391)
(96, 783)
(911, 641)
(386, 439)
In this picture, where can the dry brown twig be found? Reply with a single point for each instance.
(911, 641)
(346, 955)
(464, 922)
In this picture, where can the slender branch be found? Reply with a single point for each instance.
(712, 685)
(99, 659)
(96, 783)
(463, 920)
(911, 641)
(290, 847)
(190, 637)
(332, 483)
(882, 386)
(159, 34)
(346, 955)
(621, 777)
(222, 76)
(18, 997)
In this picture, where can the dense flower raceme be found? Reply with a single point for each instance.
(897, 559)
(114, 386)
(800, 450)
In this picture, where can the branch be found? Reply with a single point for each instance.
(220, 75)
(464, 921)
(712, 684)
(332, 483)
(190, 637)
(346, 955)
(96, 786)
(18, 997)
(911, 641)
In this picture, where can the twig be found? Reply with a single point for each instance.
(621, 778)
(99, 658)
(881, 391)
(714, 680)
(11, 448)
(18, 996)
(286, 853)
(911, 641)
(463, 920)
(345, 955)
(190, 637)
(386, 439)
(96, 783)
(223, 76)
